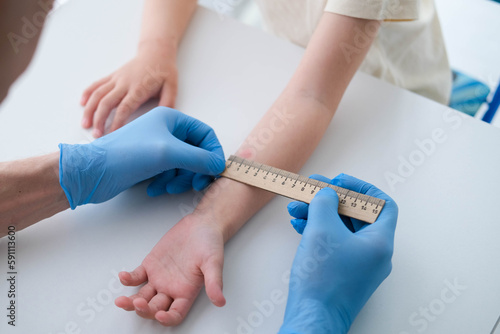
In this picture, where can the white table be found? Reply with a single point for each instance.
(230, 74)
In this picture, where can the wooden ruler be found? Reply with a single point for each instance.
(301, 188)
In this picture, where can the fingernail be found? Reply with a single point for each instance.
(85, 122)
(97, 133)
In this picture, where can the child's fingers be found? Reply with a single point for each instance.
(90, 89)
(107, 103)
(212, 271)
(168, 94)
(146, 293)
(160, 302)
(95, 98)
(125, 303)
(142, 308)
(133, 278)
(130, 103)
(176, 313)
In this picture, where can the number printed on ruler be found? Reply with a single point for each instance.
(301, 188)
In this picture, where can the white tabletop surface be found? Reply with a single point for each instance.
(448, 229)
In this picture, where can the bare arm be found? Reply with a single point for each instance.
(298, 119)
(192, 252)
(164, 23)
(17, 49)
(30, 191)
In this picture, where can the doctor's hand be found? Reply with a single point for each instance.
(340, 261)
(180, 151)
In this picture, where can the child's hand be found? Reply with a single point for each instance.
(190, 254)
(152, 73)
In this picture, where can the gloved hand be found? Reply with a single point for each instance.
(164, 143)
(340, 261)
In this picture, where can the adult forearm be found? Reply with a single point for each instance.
(30, 191)
(164, 23)
(290, 131)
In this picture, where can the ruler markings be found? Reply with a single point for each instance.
(348, 199)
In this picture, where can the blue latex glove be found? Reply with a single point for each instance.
(340, 261)
(179, 150)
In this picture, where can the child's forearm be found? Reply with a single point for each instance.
(285, 137)
(164, 23)
(290, 131)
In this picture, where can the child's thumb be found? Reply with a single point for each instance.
(212, 271)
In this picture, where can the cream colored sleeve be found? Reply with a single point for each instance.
(384, 10)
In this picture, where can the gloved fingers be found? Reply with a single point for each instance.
(201, 181)
(199, 134)
(353, 225)
(357, 225)
(198, 160)
(348, 222)
(298, 209)
(195, 132)
(299, 225)
(320, 178)
(387, 219)
(159, 185)
(323, 217)
(354, 184)
(182, 182)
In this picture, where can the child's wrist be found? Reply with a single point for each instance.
(222, 206)
(164, 47)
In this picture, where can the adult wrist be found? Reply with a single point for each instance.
(81, 167)
(310, 316)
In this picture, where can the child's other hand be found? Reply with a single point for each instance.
(190, 254)
(152, 73)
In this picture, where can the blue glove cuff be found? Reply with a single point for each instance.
(311, 316)
(81, 168)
